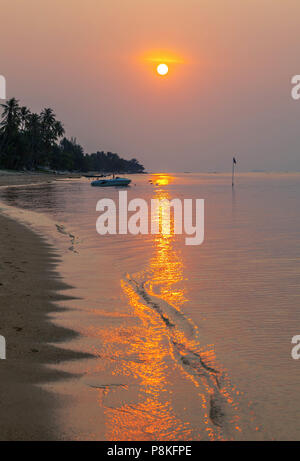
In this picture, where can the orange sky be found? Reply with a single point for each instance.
(230, 94)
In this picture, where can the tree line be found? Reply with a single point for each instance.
(29, 141)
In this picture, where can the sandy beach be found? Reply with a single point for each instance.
(29, 289)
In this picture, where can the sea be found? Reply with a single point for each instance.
(184, 342)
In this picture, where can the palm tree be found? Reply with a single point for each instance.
(11, 116)
(9, 125)
(32, 133)
(24, 116)
(31, 140)
(52, 129)
(58, 130)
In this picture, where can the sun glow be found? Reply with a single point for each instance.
(162, 69)
(162, 62)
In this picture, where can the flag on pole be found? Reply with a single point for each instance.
(233, 164)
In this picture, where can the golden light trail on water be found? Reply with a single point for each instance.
(163, 348)
(154, 416)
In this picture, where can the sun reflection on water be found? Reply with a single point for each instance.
(153, 417)
(164, 345)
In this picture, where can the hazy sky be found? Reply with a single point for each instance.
(228, 95)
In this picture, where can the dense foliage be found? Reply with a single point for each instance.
(32, 141)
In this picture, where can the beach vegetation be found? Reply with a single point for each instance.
(32, 141)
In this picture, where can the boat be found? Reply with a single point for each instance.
(111, 182)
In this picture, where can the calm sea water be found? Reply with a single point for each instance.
(190, 343)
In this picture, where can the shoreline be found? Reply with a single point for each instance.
(30, 286)
(17, 178)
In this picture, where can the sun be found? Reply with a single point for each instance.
(162, 69)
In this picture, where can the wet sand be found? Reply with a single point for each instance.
(29, 290)
(13, 178)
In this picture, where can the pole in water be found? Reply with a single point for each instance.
(234, 162)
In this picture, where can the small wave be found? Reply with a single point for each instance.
(60, 228)
(39, 223)
(190, 356)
